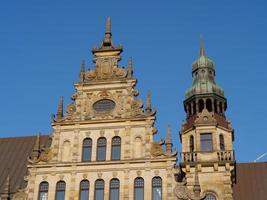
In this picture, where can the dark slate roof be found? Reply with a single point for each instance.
(251, 181)
(14, 153)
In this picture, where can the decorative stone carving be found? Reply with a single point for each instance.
(156, 148)
(20, 195)
(205, 117)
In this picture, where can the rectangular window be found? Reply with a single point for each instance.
(206, 142)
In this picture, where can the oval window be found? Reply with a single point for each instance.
(104, 105)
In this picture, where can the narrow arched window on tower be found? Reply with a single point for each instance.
(222, 147)
(201, 105)
(84, 190)
(60, 190)
(157, 188)
(101, 149)
(99, 189)
(87, 149)
(191, 143)
(43, 191)
(114, 189)
(116, 148)
(139, 189)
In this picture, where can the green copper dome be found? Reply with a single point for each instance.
(203, 73)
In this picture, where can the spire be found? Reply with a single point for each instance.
(169, 141)
(82, 71)
(148, 103)
(108, 29)
(6, 188)
(107, 42)
(36, 149)
(60, 108)
(202, 48)
(130, 68)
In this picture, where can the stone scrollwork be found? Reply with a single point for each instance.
(45, 155)
(156, 148)
(20, 195)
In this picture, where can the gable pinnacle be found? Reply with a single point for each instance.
(108, 28)
(169, 141)
(130, 68)
(82, 71)
(148, 102)
(202, 48)
(60, 108)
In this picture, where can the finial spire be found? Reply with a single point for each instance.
(82, 71)
(148, 102)
(130, 68)
(169, 141)
(60, 108)
(36, 149)
(108, 29)
(202, 48)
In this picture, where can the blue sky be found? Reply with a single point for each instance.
(42, 44)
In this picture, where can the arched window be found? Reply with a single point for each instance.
(210, 197)
(209, 105)
(43, 191)
(101, 149)
(222, 148)
(87, 149)
(99, 189)
(60, 190)
(201, 105)
(191, 143)
(139, 189)
(157, 188)
(84, 190)
(114, 189)
(116, 148)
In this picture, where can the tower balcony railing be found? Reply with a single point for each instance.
(204, 156)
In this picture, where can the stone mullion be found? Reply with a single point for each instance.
(169, 182)
(73, 195)
(126, 185)
(76, 146)
(127, 143)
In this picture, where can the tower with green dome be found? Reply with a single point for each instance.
(206, 135)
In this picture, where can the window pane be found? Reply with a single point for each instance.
(87, 153)
(139, 189)
(221, 143)
(157, 188)
(116, 152)
(84, 195)
(157, 194)
(60, 190)
(84, 190)
(101, 154)
(114, 189)
(43, 191)
(43, 196)
(60, 195)
(206, 142)
(99, 190)
(114, 194)
(101, 149)
(116, 148)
